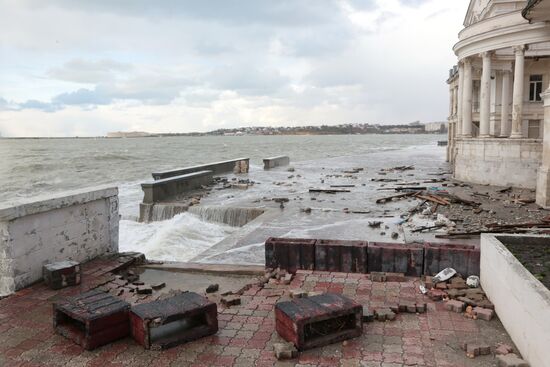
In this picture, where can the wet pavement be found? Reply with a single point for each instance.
(246, 332)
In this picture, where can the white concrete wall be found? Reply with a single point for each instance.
(500, 162)
(77, 226)
(521, 302)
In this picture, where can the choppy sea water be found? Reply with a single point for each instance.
(33, 167)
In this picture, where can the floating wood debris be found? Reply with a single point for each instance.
(329, 191)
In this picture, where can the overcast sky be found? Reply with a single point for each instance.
(87, 67)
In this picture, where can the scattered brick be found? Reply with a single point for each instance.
(511, 360)
(62, 274)
(144, 289)
(455, 306)
(368, 315)
(395, 277)
(378, 277)
(474, 349)
(486, 304)
(503, 349)
(421, 307)
(436, 294)
(383, 314)
(441, 285)
(287, 279)
(285, 351)
(231, 300)
(212, 288)
(428, 282)
(484, 313)
(467, 301)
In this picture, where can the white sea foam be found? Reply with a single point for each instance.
(178, 239)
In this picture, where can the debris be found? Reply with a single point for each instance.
(368, 315)
(444, 275)
(375, 224)
(329, 191)
(455, 306)
(390, 198)
(503, 349)
(337, 186)
(285, 351)
(231, 300)
(511, 360)
(383, 314)
(287, 279)
(423, 289)
(212, 288)
(484, 313)
(144, 289)
(475, 349)
(473, 281)
(158, 286)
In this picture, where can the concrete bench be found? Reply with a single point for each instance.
(216, 168)
(159, 190)
(273, 162)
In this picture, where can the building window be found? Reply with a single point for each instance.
(535, 88)
(533, 131)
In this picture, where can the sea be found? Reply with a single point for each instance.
(32, 167)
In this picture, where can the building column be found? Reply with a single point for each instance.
(467, 100)
(459, 128)
(505, 108)
(485, 96)
(517, 101)
(543, 179)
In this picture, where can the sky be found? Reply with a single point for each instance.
(88, 67)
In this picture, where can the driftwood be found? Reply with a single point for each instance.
(399, 196)
(329, 191)
(434, 199)
(427, 228)
(417, 188)
(342, 185)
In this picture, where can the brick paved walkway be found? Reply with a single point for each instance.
(247, 333)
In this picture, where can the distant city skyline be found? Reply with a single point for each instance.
(87, 68)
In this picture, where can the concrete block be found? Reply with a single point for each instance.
(319, 320)
(216, 168)
(169, 322)
(62, 274)
(92, 319)
(463, 258)
(395, 258)
(341, 256)
(290, 254)
(169, 188)
(276, 162)
(511, 360)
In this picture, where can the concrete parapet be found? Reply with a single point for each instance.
(276, 162)
(168, 188)
(77, 226)
(396, 258)
(521, 301)
(216, 168)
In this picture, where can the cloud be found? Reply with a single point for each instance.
(88, 71)
(189, 65)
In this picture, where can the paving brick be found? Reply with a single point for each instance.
(383, 314)
(285, 351)
(511, 360)
(455, 306)
(484, 313)
(503, 349)
(62, 274)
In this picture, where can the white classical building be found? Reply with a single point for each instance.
(497, 126)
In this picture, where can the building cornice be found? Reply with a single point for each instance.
(530, 5)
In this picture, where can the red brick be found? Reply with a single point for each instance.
(455, 306)
(484, 313)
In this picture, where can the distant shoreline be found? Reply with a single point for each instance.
(193, 136)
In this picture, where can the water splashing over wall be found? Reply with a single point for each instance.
(235, 217)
